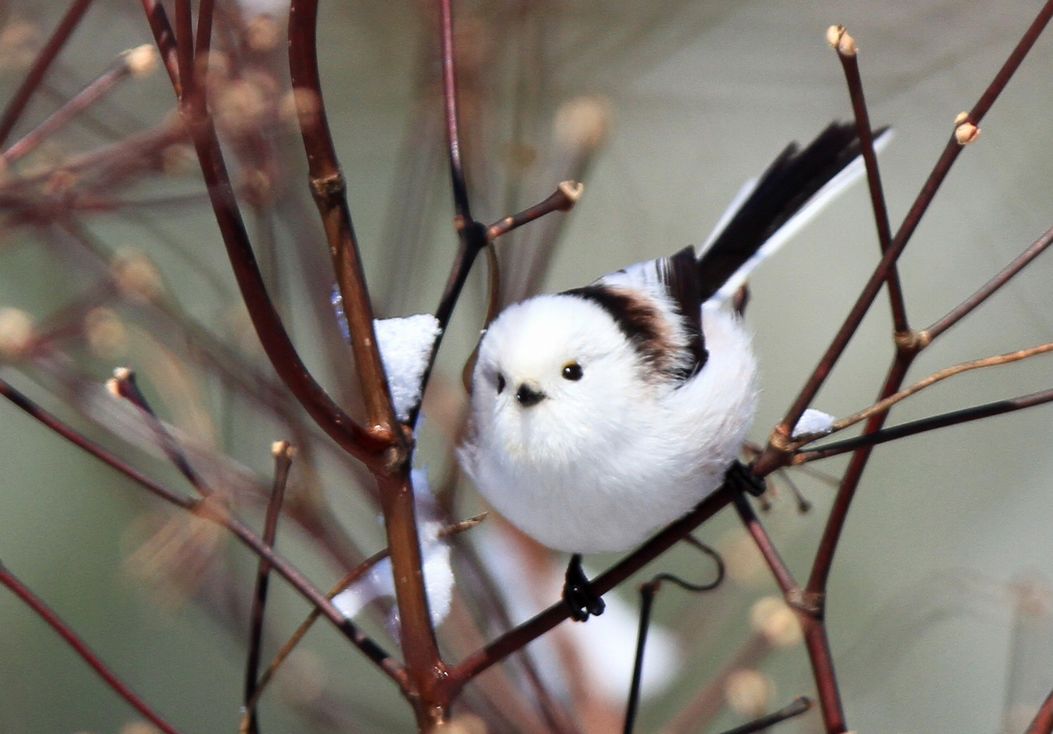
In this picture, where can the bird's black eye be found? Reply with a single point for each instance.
(500, 383)
(572, 371)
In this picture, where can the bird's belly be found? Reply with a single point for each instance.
(602, 507)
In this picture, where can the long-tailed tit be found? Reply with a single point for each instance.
(605, 412)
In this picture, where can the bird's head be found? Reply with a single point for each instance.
(555, 379)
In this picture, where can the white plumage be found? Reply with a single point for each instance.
(601, 414)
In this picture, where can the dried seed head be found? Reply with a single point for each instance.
(136, 276)
(20, 43)
(106, 334)
(749, 692)
(178, 159)
(16, 333)
(583, 123)
(771, 617)
(263, 33)
(300, 105)
(240, 106)
(141, 60)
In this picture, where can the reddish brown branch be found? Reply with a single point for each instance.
(424, 666)
(562, 199)
(533, 628)
(1043, 721)
(845, 46)
(365, 445)
(165, 39)
(329, 189)
(774, 456)
(990, 288)
(20, 590)
(283, 454)
(976, 412)
(35, 75)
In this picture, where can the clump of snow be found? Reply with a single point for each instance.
(813, 423)
(438, 573)
(405, 346)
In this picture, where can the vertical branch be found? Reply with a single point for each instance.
(424, 665)
(283, 454)
(40, 67)
(847, 52)
(329, 189)
(20, 590)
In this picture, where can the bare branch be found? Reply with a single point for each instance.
(845, 46)
(20, 590)
(35, 75)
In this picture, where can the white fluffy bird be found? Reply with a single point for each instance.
(603, 413)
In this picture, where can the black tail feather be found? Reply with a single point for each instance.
(790, 181)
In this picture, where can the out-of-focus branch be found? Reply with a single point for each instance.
(210, 510)
(35, 75)
(20, 590)
(366, 445)
(134, 62)
(283, 454)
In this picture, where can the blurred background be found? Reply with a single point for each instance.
(939, 605)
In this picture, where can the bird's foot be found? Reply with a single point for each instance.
(742, 478)
(578, 594)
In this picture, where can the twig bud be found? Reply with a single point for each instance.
(572, 190)
(141, 60)
(283, 449)
(965, 132)
(840, 40)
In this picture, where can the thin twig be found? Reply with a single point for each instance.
(845, 46)
(345, 582)
(647, 594)
(931, 423)
(882, 406)
(562, 199)
(123, 384)
(133, 62)
(990, 288)
(20, 590)
(775, 455)
(35, 75)
(283, 454)
(795, 708)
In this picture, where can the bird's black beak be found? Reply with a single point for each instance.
(527, 396)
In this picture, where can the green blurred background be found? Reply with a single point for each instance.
(938, 609)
